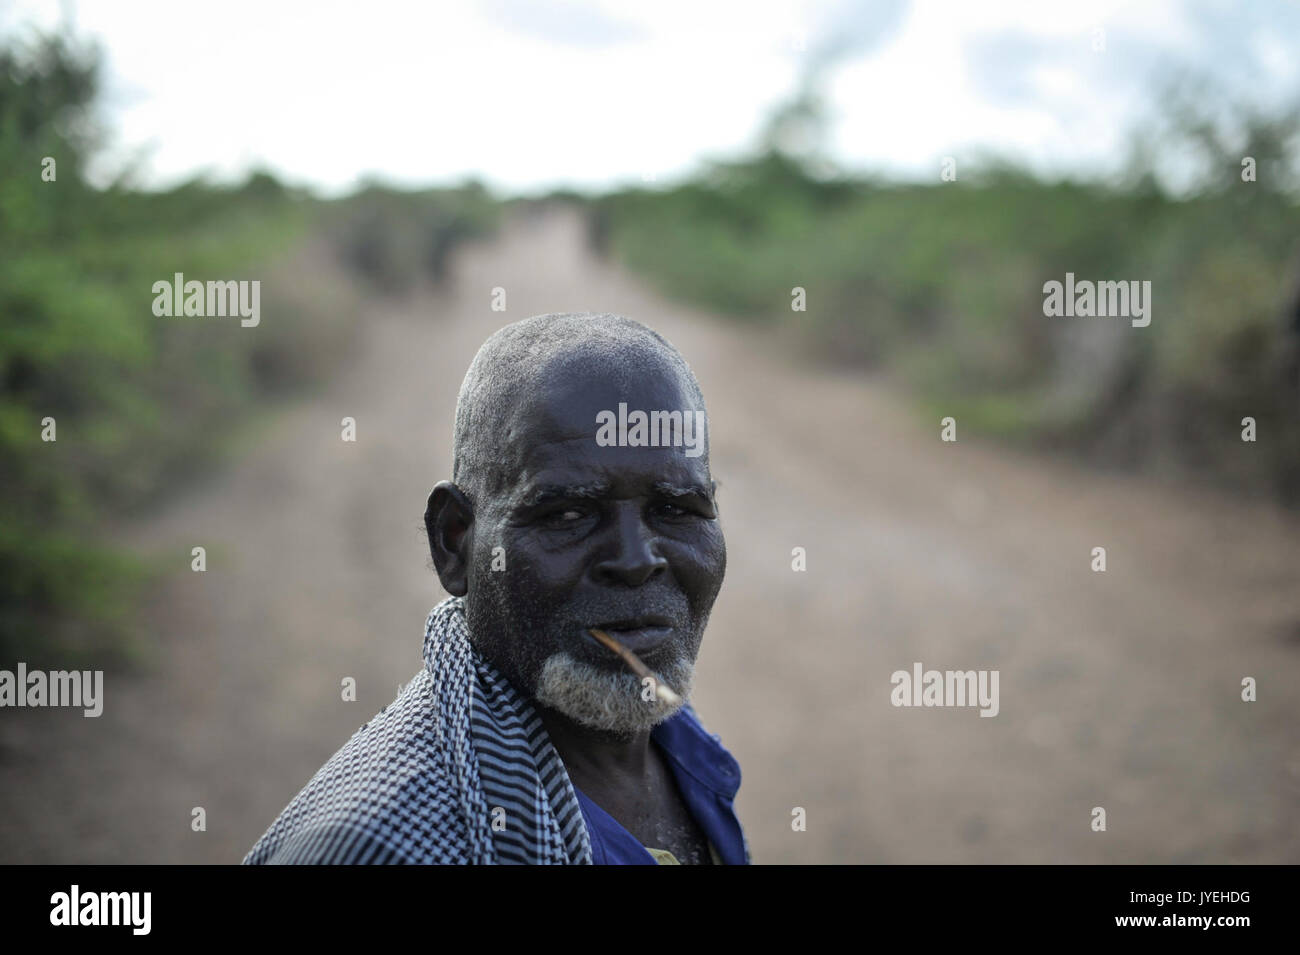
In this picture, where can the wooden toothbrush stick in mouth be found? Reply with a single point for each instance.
(662, 690)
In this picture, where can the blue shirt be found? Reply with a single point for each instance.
(708, 777)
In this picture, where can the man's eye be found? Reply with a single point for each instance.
(567, 516)
(672, 510)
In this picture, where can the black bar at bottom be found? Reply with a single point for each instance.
(232, 903)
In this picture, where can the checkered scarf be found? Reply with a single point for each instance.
(457, 769)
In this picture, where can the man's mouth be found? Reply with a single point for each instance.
(641, 635)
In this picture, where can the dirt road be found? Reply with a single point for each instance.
(1119, 690)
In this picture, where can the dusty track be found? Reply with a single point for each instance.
(1119, 690)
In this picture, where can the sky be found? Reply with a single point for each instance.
(528, 95)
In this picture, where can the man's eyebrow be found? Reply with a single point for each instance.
(669, 489)
(553, 492)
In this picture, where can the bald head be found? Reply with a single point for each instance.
(543, 358)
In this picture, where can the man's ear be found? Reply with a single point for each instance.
(447, 519)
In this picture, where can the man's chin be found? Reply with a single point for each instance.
(609, 700)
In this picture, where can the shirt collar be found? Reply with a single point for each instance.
(698, 752)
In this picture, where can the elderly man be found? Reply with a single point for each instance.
(524, 739)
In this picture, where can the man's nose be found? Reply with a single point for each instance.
(632, 556)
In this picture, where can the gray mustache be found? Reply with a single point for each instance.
(588, 613)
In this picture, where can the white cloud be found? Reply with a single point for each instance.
(529, 94)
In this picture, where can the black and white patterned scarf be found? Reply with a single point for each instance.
(457, 769)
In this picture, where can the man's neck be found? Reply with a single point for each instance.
(631, 781)
(591, 754)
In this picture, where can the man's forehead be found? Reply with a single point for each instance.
(569, 402)
(564, 454)
(580, 463)
(563, 427)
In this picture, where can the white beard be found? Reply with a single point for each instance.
(610, 701)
